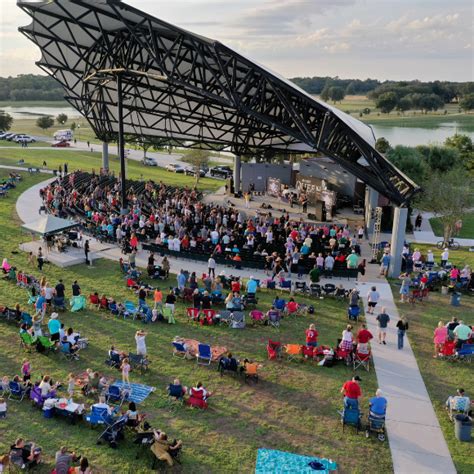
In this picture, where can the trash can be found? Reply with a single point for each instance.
(444, 290)
(456, 299)
(462, 427)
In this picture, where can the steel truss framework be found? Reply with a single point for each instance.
(185, 89)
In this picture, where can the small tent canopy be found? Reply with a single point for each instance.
(49, 225)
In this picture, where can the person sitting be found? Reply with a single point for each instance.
(133, 417)
(94, 299)
(292, 306)
(347, 340)
(69, 348)
(228, 362)
(233, 301)
(48, 389)
(352, 392)
(458, 403)
(64, 460)
(163, 449)
(177, 390)
(25, 455)
(378, 405)
(101, 404)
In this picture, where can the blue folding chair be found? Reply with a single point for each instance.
(179, 349)
(204, 355)
(115, 395)
(279, 304)
(17, 392)
(131, 309)
(98, 416)
(353, 313)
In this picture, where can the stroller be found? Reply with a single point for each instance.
(375, 424)
(113, 432)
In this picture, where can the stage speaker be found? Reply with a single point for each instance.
(320, 211)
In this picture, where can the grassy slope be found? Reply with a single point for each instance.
(467, 231)
(86, 160)
(459, 257)
(293, 407)
(441, 377)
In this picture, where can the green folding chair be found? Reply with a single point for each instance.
(168, 314)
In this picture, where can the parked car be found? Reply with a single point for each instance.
(175, 168)
(192, 172)
(3, 135)
(61, 144)
(10, 136)
(149, 162)
(221, 172)
(24, 138)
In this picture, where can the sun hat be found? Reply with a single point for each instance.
(54, 315)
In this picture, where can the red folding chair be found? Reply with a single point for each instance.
(193, 314)
(274, 349)
(257, 316)
(209, 315)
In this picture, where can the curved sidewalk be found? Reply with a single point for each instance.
(416, 440)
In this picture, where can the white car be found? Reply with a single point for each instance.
(24, 138)
(175, 168)
(149, 162)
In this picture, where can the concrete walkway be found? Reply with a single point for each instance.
(416, 440)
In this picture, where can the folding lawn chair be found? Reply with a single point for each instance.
(16, 391)
(315, 289)
(375, 424)
(47, 344)
(351, 417)
(274, 318)
(131, 309)
(257, 316)
(329, 289)
(169, 315)
(448, 350)
(209, 315)
(361, 359)
(113, 431)
(179, 350)
(301, 287)
(59, 304)
(274, 349)
(293, 351)
(98, 416)
(204, 355)
(113, 361)
(27, 341)
(237, 320)
(116, 395)
(466, 353)
(279, 304)
(193, 314)
(225, 316)
(77, 303)
(65, 350)
(353, 313)
(138, 361)
(250, 372)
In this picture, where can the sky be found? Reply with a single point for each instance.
(381, 39)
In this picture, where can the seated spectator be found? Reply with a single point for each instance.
(228, 362)
(347, 339)
(48, 389)
(133, 417)
(5, 266)
(69, 348)
(101, 404)
(163, 449)
(352, 392)
(458, 403)
(378, 405)
(200, 389)
(64, 460)
(177, 390)
(25, 455)
(292, 306)
(233, 302)
(3, 409)
(83, 467)
(462, 333)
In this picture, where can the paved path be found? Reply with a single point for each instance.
(416, 440)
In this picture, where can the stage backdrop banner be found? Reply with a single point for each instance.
(274, 187)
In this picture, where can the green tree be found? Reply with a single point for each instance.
(439, 158)
(325, 92)
(386, 102)
(45, 122)
(382, 145)
(336, 93)
(410, 161)
(351, 88)
(404, 104)
(448, 196)
(463, 144)
(6, 121)
(61, 119)
(467, 102)
(73, 126)
(430, 102)
(197, 158)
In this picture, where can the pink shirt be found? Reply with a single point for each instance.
(440, 335)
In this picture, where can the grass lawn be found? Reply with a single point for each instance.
(87, 160)
(292, 408)
(459, 257)
(467, 231)
(441, 377)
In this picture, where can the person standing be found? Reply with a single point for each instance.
(86, 251)
(373, 297)
(125, 367)
(383, 319)
(158, 299)
(211, 266)
(352, 392)
(360, 233)
(418, 221)
(40, 259)
(140, 340)
(405, 287)
(444, 257)
(402, 327)
(384, 264)
(76, 289)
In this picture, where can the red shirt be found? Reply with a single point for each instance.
(292, 306)
(352, 389)
(235, 285)
(364, 336)
(311, 335)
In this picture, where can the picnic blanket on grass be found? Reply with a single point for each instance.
(279, 462)
(217, 351)
(137, 391)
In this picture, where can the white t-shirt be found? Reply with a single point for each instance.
(48, 293)
(445, 255)
(373, 296)
(211, 263)
(347, 335)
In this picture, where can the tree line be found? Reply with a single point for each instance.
(30, 87)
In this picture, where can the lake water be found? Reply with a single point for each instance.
(395, 135)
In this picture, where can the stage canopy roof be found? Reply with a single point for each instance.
(49, 225)
(184, 89)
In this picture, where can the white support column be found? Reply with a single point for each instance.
(372, 203)
(105, 155)
(237, 170)
(400, 215)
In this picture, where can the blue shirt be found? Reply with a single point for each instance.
(251, 286)
(378, 405)
(181, 279)
(54, 326)
(386, 260)
(40, 302)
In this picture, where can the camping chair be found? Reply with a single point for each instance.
(279, 304)
(250, 372)
(131, 309)
(113, 361)
(329, 289)
(209, 315)
(17, 392)
(293, 351)
(250, 299)
(353, 313)
(193, 314)
(94, 300)
(47, 344)
(448, 350)
(115, 395)
(315, 289)
(98, 416)
(27, 341)
(77, 303)
(113, 431)
(273, 350)
(59, 303)
(179, 349)
(274, 318)
(466, 353)
(196, 399)
(65, 350)
(175, 393)
(301, 287)
(187, 295)
(257, 316)
(285, 285)
(361, 359)
(237, 320)
(375, 424)
(224, 316)
(138, 361)
(204, 355)
(168, 314)
(26, 318)
(351, 416)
